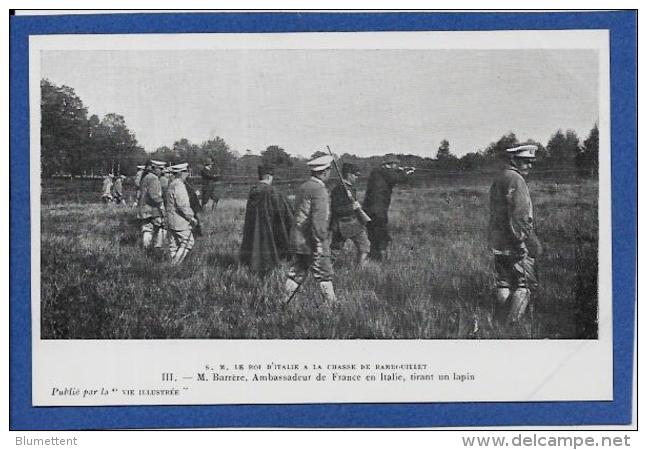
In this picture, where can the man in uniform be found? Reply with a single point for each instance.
(180, 218)
(268, 220)
(377, 201)
(310, 234)
(345, 223)
(117, 189)
(209, 178)
(106, 194)
(151, 209)
(512, 237)
(141, 172)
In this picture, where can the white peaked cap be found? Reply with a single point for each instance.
(523, 151)
(183, 167)
(321, 163)
(158, 163)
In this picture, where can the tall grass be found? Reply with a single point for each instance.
(97, 283)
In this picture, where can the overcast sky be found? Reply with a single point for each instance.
(364, 102)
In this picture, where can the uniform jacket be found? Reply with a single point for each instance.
(117, 188)
(138, 177)
(378, 191)
(107, 186)
(164, 182)
(310, 232)
(178, 207)
(150, 202)
(511, 215)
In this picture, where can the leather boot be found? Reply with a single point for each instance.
(518, 303)
(500, 314)
(362, 258)
(328, 292)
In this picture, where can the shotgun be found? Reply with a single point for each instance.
(361, 214)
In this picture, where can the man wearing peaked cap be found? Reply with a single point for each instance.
(310, 233)
(151, 211)
(180, 217)
(513, 239)
(320, 164)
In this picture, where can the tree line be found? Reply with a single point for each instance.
(74, 144)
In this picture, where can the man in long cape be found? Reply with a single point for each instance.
(268, 220)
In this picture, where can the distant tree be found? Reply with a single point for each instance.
(276, 156)
(498, 149)
(218, 150)
(588, 158)
(64, 129)
(443, 150)
(562, 146)
(118, 144)
(318, 154)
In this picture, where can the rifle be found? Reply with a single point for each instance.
(363, 217)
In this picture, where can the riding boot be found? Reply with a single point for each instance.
(518, 303)
(362, 258)
(328, 292)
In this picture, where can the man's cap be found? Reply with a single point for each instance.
(265, 169)
(157, 163)
(350, 168)
(141, 167)
(321, 163)
(523, 151)
(390, 160)
(183, 167)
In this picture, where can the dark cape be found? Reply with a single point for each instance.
(266, 233)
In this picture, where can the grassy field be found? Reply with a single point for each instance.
(96, 283)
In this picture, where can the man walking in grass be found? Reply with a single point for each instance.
(310, 233)
(377, 201)
(513, 239)
(268, 220)
(180, 218)
(344, 223)
(150, 205)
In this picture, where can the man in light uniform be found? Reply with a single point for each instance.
(512, 237)
(141, 172)
(180, 218)
(106, 194)
(344, 223)
(310, 233)
(150, 204)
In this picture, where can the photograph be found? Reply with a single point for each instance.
(266, 219)
(197, 194)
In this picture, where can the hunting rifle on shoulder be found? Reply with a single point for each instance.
(361, 214)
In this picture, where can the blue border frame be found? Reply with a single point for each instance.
(623, 50)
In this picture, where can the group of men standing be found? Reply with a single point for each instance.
(311, 232)
(112, 188)
(323, 222)
(165, 210)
